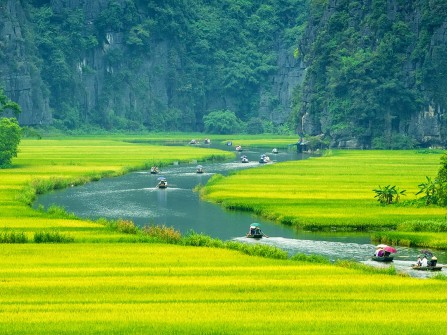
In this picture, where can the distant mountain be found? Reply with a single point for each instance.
(365, 73)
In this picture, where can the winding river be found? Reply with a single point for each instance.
(135, 197)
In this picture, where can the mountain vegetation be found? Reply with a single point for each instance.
(367, 73)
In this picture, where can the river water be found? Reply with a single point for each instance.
(136, 197)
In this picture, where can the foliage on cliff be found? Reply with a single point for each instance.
(372, 65)
(215, 55)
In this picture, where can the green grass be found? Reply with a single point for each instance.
(162, 289)
(333, 192)
(47, 164)
(89, 278)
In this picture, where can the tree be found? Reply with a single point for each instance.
(10, 131)
(6, 104)
(388, 194)
(222, 122)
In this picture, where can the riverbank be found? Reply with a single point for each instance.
(335, 192)
(115, 282)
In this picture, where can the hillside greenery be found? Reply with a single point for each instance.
(371, 69)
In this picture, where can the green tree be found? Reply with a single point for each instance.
(6, 104)
(388, 194)
(222, 122)
(9, 131)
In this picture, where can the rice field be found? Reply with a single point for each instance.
(63, 162)
(113, 283)
(161, 289)
(332, 192)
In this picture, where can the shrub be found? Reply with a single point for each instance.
(163, 233)
(51, 237)
(13, 237)
(201, 240)
(427, 226)
(126, 227)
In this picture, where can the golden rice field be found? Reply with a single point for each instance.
(109, 283)
(74, 160)
(332, 192)
(115, 288)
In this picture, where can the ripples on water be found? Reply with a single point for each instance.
(404, 258)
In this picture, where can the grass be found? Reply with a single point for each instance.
(164, 289)
(103, 277)
(47, 164)
(333, 192)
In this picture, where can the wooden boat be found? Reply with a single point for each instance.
(199, 169)
(275, 151)
(264, 159)
(162, 182)
(427, 268)
(383, 258)
(255, 231)
(239, 148)
(244, 159)
(154, 170)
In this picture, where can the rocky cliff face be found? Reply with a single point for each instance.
(420, 71)
(103, 88)
(19, 71)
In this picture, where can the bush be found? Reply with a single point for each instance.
(52, 237)
(13, 237)
(201, 240)
(126, 227)
(163, 233)
(427, 226)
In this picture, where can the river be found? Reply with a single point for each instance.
(135, 197)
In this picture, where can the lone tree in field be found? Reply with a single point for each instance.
(10, 131)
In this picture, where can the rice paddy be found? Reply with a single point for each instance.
(109, 282)
(161, 289)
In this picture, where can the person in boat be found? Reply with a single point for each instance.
(379, 252)
(387, 253)
(419, 261)
(433, 261)
(424, 261)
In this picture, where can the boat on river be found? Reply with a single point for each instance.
(244, 159)
(199, 169)
(162, 182)
(264, 159)
(154, 170)
(238, 148)
(383, 258)
(427, 268)
(275, 151)
(255, 231)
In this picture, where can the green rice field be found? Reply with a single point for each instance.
(106, 282)
(334, 192)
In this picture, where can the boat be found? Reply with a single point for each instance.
(239, 148)
(244, 159)
(275, 151)
(207, 141)
(162, 182)
(255, 231)
(264, 159)
(383, 258)
(154, 170)
(193, 141)
(199, 169)
(384, 253)
(427, 268)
